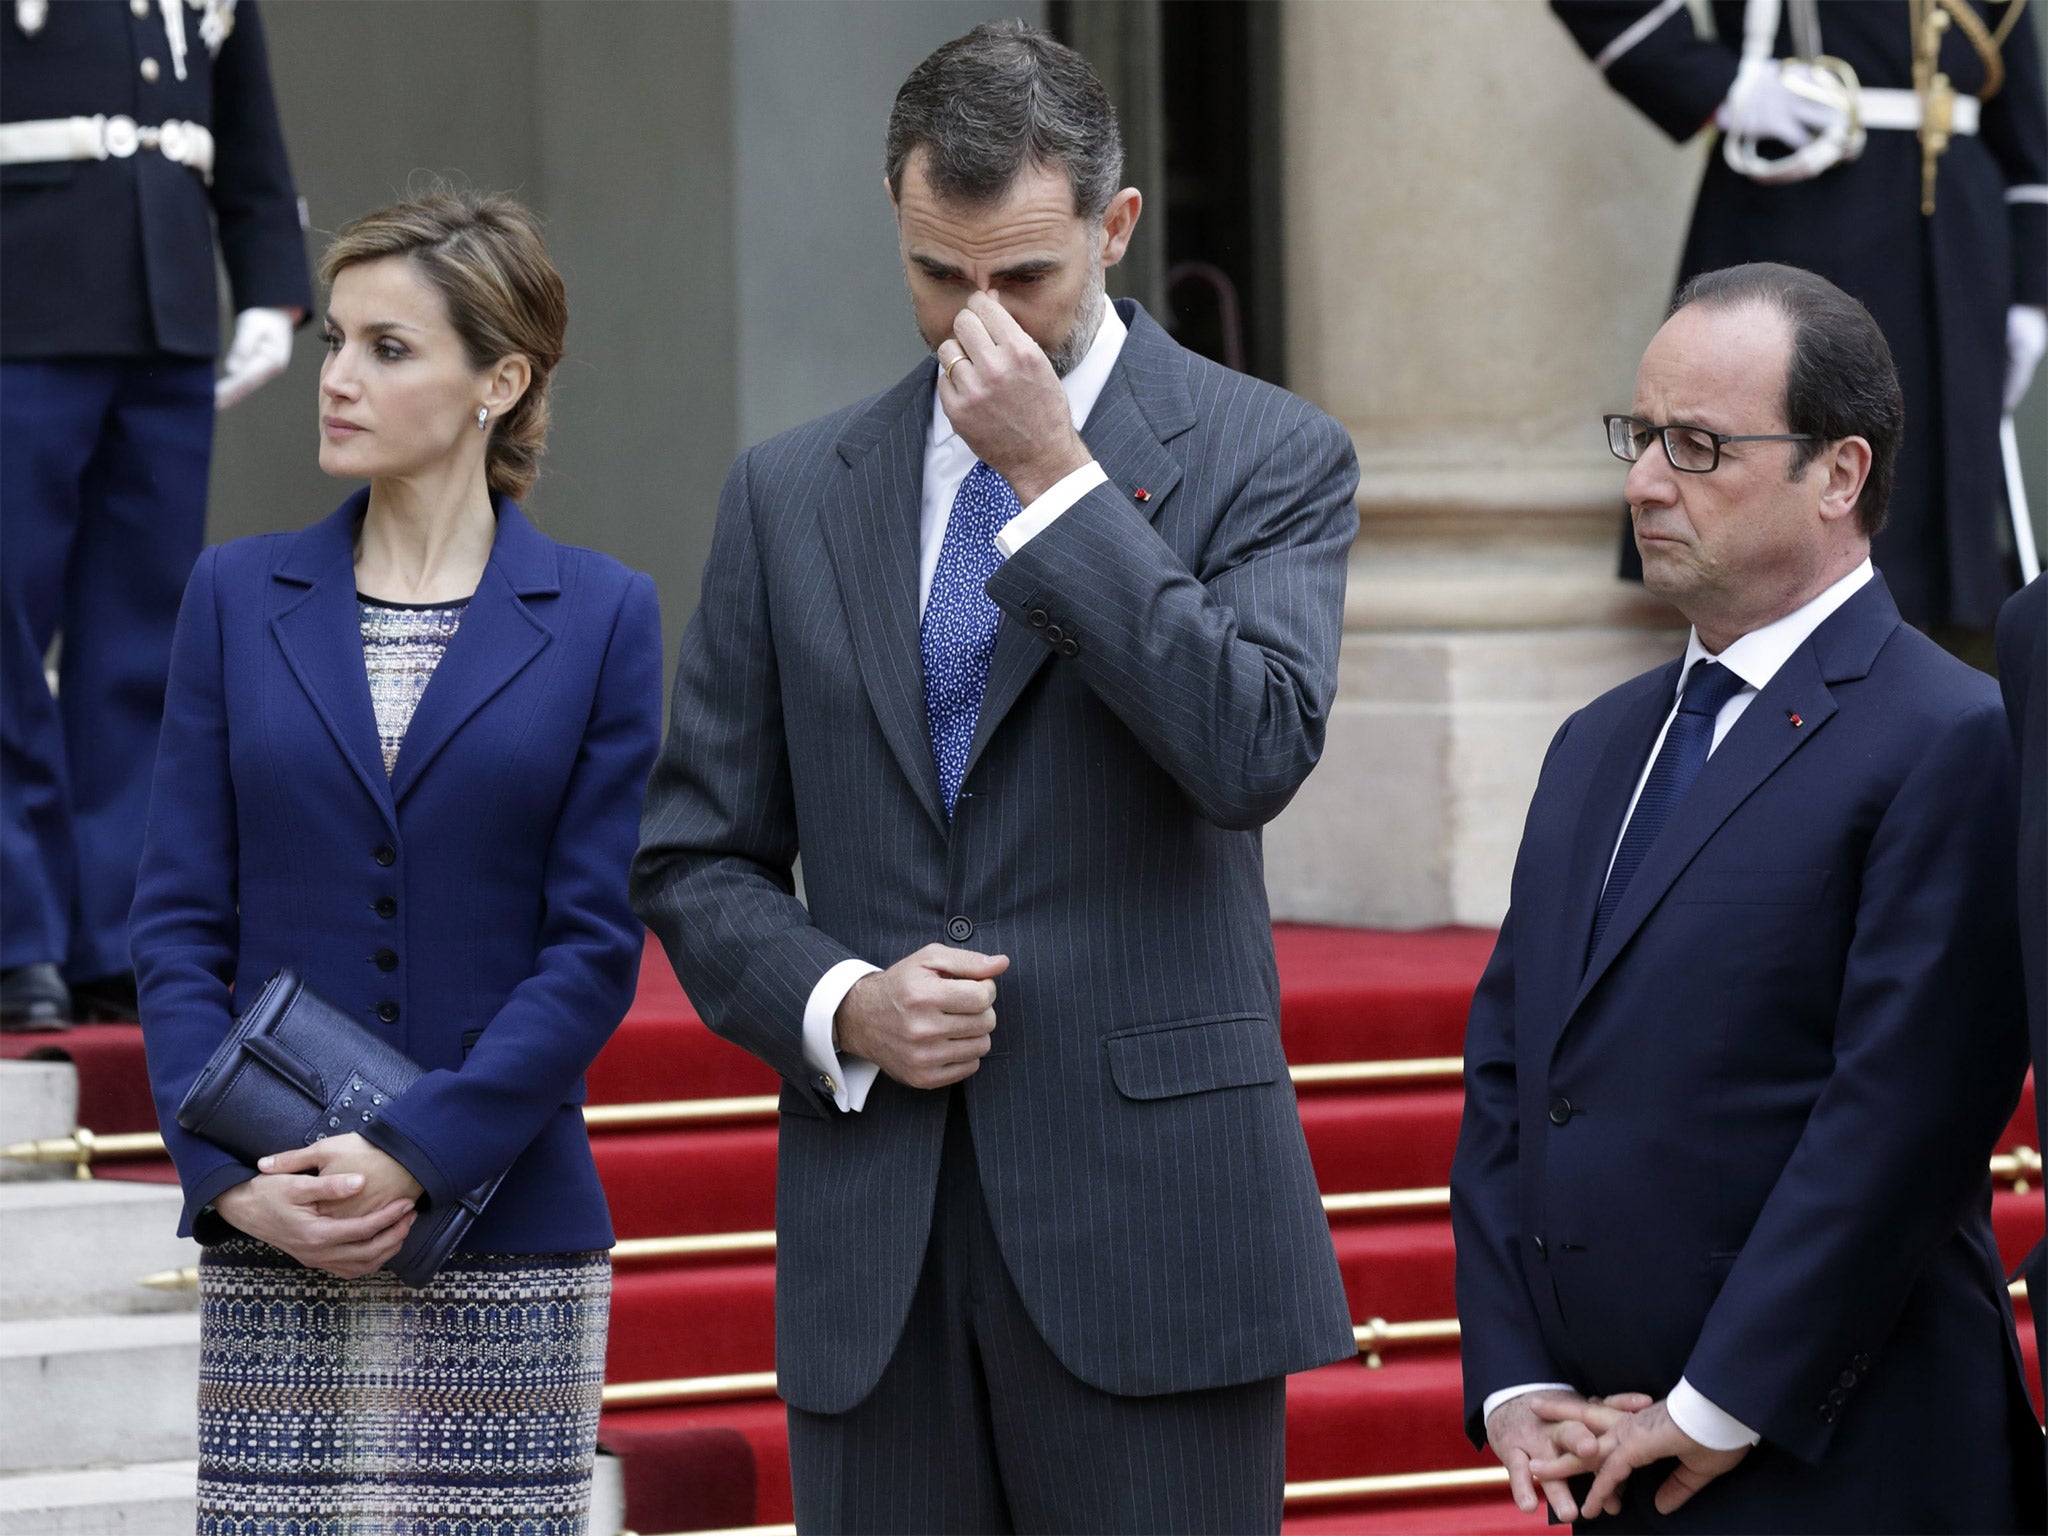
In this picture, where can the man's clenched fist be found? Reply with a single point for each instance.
(926, 1020)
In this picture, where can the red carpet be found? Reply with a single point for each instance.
(1345, 996)
(113, 1087)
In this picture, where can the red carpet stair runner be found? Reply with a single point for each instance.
(691, 1405)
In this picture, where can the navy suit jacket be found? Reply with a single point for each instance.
(1158, 690)
(472, 906)
(1745, 1141)
(114, 257)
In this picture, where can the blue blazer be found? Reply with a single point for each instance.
(1744, 1141)
(472, 907)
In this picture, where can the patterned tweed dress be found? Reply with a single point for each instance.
(366, 1408)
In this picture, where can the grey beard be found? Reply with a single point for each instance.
(1081, 334)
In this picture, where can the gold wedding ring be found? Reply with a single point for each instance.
(947, 368)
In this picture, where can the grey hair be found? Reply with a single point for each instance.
(1005, 96)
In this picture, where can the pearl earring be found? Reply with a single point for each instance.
(483, 417)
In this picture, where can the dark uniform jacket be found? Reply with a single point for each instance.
(1938, 286)
(114, 258)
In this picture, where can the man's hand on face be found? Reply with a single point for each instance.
(1003, 398)
(926, 1020)
(1636, 1440)
(1543, 1438)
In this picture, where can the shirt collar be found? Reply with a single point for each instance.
(1757, 656)
(1083, 385)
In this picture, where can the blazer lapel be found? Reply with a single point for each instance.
(498, 636)
(1754, 749)
(870, 522)
(318, 629)
(1144, 405)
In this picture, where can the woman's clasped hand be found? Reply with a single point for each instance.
(340, 1205)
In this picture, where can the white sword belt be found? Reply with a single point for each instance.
(53, 140)
(1882, 107)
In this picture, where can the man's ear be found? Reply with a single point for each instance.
(889, 192)
(1118, 220)
(1846, 466)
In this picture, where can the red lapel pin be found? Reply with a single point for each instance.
(1796, 721)
(1142, 494)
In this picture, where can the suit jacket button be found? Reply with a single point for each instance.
(387, 960)
(1862, 1364)
(1847, 1378)
(1828, 1413)
(1070, 647)
(1055, 634)
(959, 930)
(384, 854)
(1837, 1397)
(1038, 618)
(388, 1011)
(1560, 1111)
(387, 906)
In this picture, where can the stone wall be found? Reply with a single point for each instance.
(1481, 237)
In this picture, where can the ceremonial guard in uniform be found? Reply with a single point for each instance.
(1900, 149)
(130, 133)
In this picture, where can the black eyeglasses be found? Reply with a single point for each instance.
(1694, 450)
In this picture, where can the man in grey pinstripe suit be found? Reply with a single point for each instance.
(1020, 654)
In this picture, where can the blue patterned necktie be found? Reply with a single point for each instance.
(1679, 760)
(958, 634)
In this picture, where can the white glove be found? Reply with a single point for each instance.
(1772, 102)
(2026, 338)
(258, 354)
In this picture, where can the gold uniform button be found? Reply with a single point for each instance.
(150, 70)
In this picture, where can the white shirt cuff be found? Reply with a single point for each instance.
(1509, 1394)
(1042, 513)
(846, 1078)
(1716, 1430)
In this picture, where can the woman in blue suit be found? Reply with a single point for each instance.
(404, 751)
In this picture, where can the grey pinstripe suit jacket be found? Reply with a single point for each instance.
(1140, 1151)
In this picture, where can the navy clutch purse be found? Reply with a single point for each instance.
(295, 1070)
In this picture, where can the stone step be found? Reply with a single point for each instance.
(147, 1499)
(87, 1390)
(79, 1247)
(155, 1499)
(38, 1100)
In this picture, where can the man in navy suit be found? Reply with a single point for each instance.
(1753, 1025)
(130, 137)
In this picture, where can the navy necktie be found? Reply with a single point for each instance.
(1679, 760)
(958, 635)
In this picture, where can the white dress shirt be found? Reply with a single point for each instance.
(947, 461)
(1755, 658)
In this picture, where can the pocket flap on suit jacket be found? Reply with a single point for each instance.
(1162, 1061)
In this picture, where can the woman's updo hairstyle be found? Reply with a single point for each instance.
(484, 253)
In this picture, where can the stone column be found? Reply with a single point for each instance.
(1480, 239)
